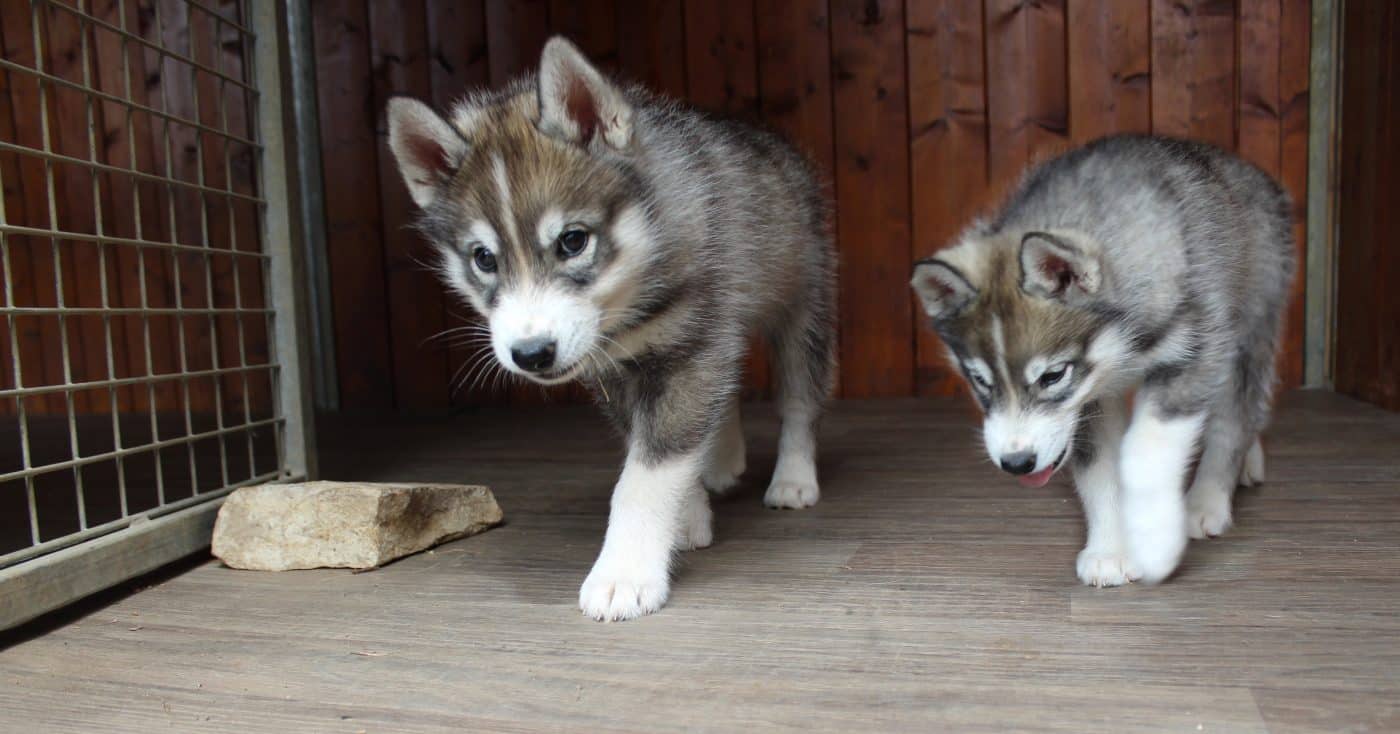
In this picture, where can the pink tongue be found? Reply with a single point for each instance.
(1038, 479)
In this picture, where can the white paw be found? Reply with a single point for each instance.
(1100, 569)
(697, 525)
(791, 495)
(1207, 514)
(1155, 545)
(1252, 472)
(608, 596)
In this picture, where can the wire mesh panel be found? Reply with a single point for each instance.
(140, 368)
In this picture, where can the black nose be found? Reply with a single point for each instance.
(533, 355)
(1021, 462)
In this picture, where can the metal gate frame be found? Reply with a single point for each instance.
(142, 542)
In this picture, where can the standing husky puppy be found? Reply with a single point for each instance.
(1134, 263)
(616, 238)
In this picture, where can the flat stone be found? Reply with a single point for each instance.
(279, 527)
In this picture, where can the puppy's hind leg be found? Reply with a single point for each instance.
(1224, 448)
(805, 358)
(726, 461)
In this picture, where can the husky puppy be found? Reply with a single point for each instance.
(616, 238)
(1139, 264)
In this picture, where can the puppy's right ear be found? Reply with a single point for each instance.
(427, 148)
(577, 103)
(944, 290)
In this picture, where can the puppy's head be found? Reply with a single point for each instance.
(527, 197)
(1014, 313)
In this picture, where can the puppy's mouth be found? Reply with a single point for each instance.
(1036, 480)
(557, 377)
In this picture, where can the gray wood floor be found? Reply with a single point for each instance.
(925, 592)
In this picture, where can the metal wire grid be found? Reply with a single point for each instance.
(207, 191)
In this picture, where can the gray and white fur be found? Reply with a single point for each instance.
(616, 238)
(1133, 264)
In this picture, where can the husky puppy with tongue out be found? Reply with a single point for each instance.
(1132, 266)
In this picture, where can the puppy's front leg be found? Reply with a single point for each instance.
(1104, 560)
(632, 574)
(1157, 451)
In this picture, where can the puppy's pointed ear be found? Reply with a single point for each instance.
(427, 148)
(1055, 267)
(942, 288)
(577, 103)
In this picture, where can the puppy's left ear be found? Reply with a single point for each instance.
(428, 149)
(942, 288)
(577, 103)
(1056, 267)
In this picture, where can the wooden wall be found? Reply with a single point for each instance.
(90, 42)
(1368, 248)
(917, 114)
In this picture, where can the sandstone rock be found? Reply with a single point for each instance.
(278, 527)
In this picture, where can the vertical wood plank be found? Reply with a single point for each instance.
(181, 147)
(591, 25)
(1027, 100)
(26, 204)
(1368, 350)
(1259, 124)
(1295, 28)
(948, 146)
(794, 76)
(872, 194)
(151, 154)
(18, 262)
(245, 233)
(76, 212)
(119, 208)
(350, 169)
(399, 60)
(651, 44)
(516, 31)
(720, 63)
(1110, 54)
(1193, 70)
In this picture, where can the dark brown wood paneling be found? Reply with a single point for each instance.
(872, 196)
(592, 25)
(989, 88)
(947, 146)
(399, 61)
(350, 169)
(1109, 45)
(1295, 27)
(651, 44)
(1368, 307)
(517, 30)
(1193, 70)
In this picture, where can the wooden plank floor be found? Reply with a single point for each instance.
(926, 592)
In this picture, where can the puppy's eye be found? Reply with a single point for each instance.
(572, 242)
(1053, 375)
(485, 261)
